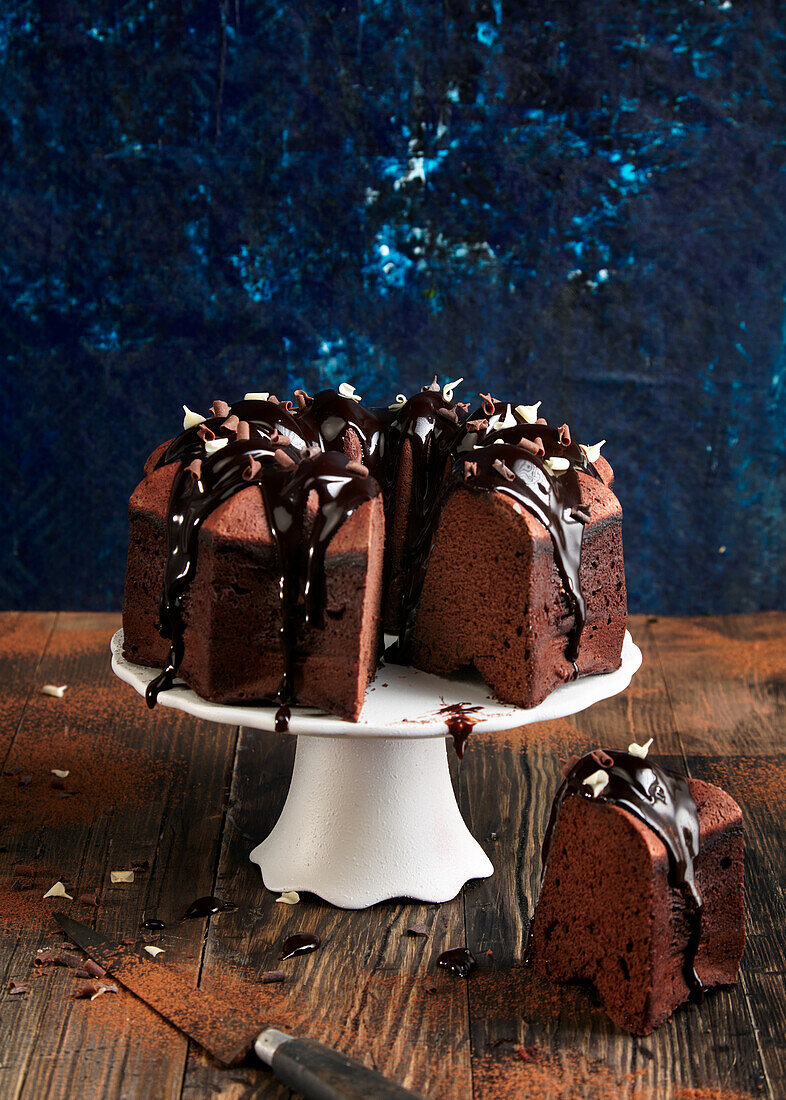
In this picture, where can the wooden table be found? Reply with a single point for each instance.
(192, 799)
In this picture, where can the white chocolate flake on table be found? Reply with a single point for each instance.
(289, 897)
(447, 389)
(529, 413)
(104, 987)
(121, 876)
(346, 389)
(592, 452)
(191, 419)
(55, 691)
(256, 396)
(639, 750)
(213, 445)
(597, 782)
(556, 465)
(154, 950)
(58, 891)
(61, 773)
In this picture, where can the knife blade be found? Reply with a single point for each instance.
(223, 1027)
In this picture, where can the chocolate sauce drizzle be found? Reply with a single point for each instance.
(458, 960)
(301, 943)
(660, 799)
(306, 465)
(207, 907)
(460, 724)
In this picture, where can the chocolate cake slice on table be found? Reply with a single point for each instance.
(642, 887)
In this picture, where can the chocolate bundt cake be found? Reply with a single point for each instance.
(271, 541)
(642, 887)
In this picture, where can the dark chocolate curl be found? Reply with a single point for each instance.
(470, 470)
(477, 425)
(205, 433)
(220, 408)
(283, 459)
(602, 759)
(501, 468)
(253, 468)
(302, 398)
(541, 420)
(541, 450)
(243, 430)
(195, 469)
(529, 446)
(489, 407)
(231, 423)
(568, 765)
(358, 468)
(448, 414)
(564, 435)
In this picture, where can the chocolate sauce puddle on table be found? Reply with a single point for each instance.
(266, 444)
(663, 802)
(206, 907)
(301, 943)
(458, 960)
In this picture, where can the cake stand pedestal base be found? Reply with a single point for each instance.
(370, 818)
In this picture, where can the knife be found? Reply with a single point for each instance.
(227, 1032)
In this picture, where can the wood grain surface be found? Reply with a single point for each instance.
(190, 800)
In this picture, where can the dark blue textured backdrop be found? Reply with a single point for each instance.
(575, 202)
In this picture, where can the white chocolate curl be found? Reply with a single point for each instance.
(592, 452)
(191, 419)
(256, 396)
(55, 691)
(556, 465)
(154, 950)
(58, 891)
(529, 413)
(499, 422)
(213, 445)
(400, 400)
(121, 876)
(60, 773)
(639, 750)
(289, 897)
(597, 782)
(447, 389)
(346, 389)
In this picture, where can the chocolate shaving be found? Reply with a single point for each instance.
(92, 989)
(43, 958)
(434, 387)
(253, 468)
(243, 430)
(93, 899)
(568, 765)
(489, 405)
(541, 450)
(602, 759)
(470, 470)
(477, 425)
(220, 408)
(448, 414)
(272, 397)
(283, 459)
(231, 423)
(205, 433)
(357, 468)
(302, 398)
(25, 870)
(93, 969)
(564, 435)
(501, 468)
(287, 405)
(195, 469)
(279, 440)
(66, 958)
(17, 987)
(418, 929)
(541, 420)
(528, 446)
(313, 450)
(268, 976)
(463, 405)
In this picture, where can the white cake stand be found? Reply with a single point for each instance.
(371, 813)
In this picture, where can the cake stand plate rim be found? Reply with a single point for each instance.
(416, 695)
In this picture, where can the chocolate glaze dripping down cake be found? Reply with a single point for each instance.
(316, 464)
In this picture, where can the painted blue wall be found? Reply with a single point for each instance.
(571, 202)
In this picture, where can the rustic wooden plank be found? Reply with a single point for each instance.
(748, 656)
(23, 640)
(367, 991)
(145, 786)
(527, 1033)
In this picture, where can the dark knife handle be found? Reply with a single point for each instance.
(322, 1073)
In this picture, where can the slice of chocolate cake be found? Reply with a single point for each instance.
(642, 887)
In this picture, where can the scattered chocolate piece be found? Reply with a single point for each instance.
(504, 470)
(529, 446)
(25, 870)
(470, 470)
(93, 969)
(205, 434)
(602, 759)
(489, 406)
(207, 906)
(90, 990)
(66, 958)
(93, 899)
(243, 430)
(301, 943)
(140, 865)
(302, 398)
(15, 987)
(268, 976)
(458, 960)
(154, 951)
(253, 468)
(477, 425)
(153, 924)
(25, 780)
(43, 958)
(61, 773)
(121, 876)
(418, 929)
(564, 435)
(54, 690)
(220, 408)
(568, 765)
(231, 423)
(278, 439)
(195, 469)
(283, 459)
(58, 891)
